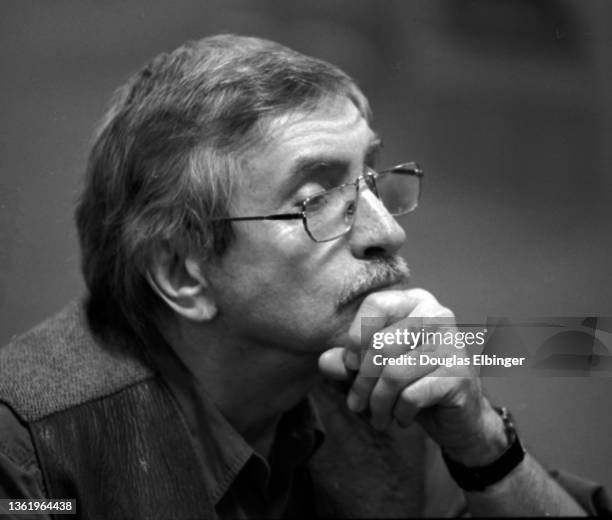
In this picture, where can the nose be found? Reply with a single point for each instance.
(375, 231)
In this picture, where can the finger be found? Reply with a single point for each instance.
(394, 303)
(389, 306)
(388, 388)
(424, 393)
(433, 314)
(332, 364)
(373, 367)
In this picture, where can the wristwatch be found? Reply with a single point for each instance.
(481, 477)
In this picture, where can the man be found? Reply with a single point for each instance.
(234, 233)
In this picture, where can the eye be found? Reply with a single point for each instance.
(317, 202)
(308, 192)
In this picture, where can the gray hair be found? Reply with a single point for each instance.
(168, 150)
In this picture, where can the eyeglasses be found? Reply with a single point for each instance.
(330, 214)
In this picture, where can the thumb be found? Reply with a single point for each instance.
(331, 364)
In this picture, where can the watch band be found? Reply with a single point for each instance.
(479, 478)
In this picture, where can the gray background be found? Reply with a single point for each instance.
(507, 105)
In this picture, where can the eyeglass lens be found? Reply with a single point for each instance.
(331, 214)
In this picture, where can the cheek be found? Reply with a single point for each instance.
(282, 285)
(271, 242)
(264, 258)
(284, 262)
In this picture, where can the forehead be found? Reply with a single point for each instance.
(334, 131)
(336, 121)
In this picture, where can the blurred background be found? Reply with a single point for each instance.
(507, 104)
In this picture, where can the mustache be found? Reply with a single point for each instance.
(380, 272)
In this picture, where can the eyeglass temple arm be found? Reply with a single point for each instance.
(410, 168)
(282, 216)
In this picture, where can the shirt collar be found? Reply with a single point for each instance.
(221, 450)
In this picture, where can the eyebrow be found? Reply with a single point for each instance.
(307, 164)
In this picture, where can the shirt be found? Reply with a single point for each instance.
(240, 482)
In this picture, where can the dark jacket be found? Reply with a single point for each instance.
(107, 432)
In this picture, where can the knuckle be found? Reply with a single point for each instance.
(421, 294)
(362, 386)
(378, 303)
(406, 400)
(354, 336)
(444, 312)
(383, 391)
(372, 301)
(395, 376)
(467, 383)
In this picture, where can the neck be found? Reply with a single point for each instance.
(250, 384)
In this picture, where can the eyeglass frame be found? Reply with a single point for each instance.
(409, 168)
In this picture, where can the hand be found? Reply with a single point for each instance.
(446, 400)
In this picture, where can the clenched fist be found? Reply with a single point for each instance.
(445, 398)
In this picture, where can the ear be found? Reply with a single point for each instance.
(182, 285)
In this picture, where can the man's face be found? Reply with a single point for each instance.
(274, 286)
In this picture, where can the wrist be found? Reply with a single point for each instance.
(473, 476)
(486, 445)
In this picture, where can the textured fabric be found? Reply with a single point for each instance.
(20, 478)
(109, 423)
(591, 496)
(360, 472)
(240, 481)
(20, 475)
(126, 455)
(290, 487)
(107, 431)
(58, 364)
(279, 486)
